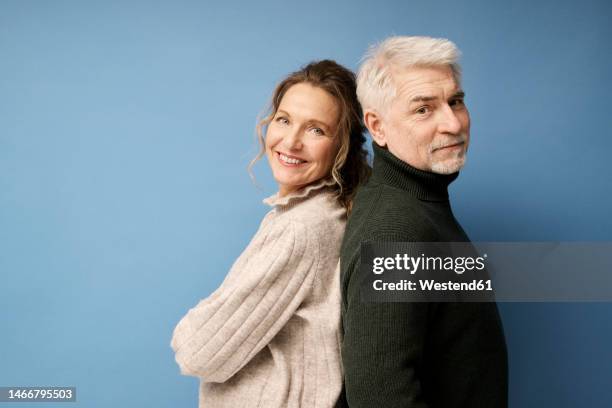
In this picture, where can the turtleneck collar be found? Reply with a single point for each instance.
(424, 185)
(300, 195)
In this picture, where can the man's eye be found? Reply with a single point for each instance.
(422, 110)
(456, 102)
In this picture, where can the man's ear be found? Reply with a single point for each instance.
(373, 122)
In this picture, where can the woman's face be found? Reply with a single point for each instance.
(301, 142)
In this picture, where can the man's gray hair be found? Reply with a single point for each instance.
(375, 87)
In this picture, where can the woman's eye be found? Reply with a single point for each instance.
(317, 131)
(282, 120)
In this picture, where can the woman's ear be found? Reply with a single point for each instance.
(373, 122)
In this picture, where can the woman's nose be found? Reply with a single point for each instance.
(292, 139)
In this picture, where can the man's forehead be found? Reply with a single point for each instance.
(424, 82)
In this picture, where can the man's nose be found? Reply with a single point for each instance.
(450, 122)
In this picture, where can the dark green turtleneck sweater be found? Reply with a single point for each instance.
(438, 355)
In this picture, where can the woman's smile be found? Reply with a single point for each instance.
(289, 160)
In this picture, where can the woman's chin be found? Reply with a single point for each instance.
(293, 182)
(289, 181)
(287, 188)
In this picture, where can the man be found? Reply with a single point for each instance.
(415, 354)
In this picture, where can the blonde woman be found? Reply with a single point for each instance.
(269, 336)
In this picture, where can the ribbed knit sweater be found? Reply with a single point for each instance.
(269, 336)
(442, 355)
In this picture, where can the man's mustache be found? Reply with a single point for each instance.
(460, 138)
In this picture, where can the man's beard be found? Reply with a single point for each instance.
(452, 164)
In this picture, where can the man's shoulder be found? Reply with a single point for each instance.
(381, 211)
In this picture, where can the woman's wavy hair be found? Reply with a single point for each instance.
(350, 167)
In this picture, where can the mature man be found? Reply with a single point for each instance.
(415, 354)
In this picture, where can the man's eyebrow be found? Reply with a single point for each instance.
(423, 98)
(427, 98)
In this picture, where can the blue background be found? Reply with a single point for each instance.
(126, 129)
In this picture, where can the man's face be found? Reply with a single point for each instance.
(427, 124)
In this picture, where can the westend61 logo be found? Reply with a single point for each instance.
(424, 272)
(411, 264)
(485, 271)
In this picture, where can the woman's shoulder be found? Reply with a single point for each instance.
(315, 203)
(317, 210)
(315, 215)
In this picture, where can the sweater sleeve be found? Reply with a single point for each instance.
(382, 348)
(263, 289)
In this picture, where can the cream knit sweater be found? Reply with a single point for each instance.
(269, 336)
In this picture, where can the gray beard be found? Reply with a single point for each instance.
(449, 166)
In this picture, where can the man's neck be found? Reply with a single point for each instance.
(388, 169)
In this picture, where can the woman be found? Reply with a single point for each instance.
(269, 336)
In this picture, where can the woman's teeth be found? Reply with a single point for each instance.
(290, 160)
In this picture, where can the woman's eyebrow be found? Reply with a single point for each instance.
(320, 123)
(309, 120)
